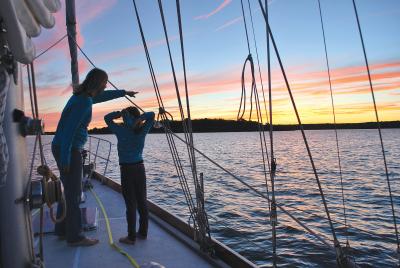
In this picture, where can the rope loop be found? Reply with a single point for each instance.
(242, 111)
(162, 111)
(53, 191)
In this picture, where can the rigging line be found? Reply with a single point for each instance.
(180, 171)
(180, 103)
(27, 192)
(170, 139)
(257, 192)
(33, 158)
(265, 105)
(245, 27)
(295, 209)
(241, 112)
(272, 172)
(262, 140)
(272, 166)
(172, 64)
(261, 80)
(184, 73)
(53, 45)
(258, 59)
(270, 93)
(168, 130)
(379, 129)
(263, 144)
(91, 62)
(32, 83)
(292, 209)
(154, 81)
(30, 92)
(175, 80)
(201, 221)
(271, 135)
(336, 241)
(272, 207)
(189, 125)
(35, 102)
(243, 93)
(152, 74)
(334, 121)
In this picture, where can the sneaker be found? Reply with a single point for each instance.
(127, 240)
(85, 242)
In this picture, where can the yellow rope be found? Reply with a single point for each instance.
(110, 238)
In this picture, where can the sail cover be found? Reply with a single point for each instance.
(23, 19)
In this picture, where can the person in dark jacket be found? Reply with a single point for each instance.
(67, 145)
(131, 136)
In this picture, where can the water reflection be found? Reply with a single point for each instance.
(241, 219)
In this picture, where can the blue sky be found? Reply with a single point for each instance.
(215, 49)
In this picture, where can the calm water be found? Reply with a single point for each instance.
(239, 218)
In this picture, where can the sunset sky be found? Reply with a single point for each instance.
(215, 49)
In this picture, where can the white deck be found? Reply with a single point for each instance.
(160, 246)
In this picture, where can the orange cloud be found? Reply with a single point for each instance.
(216, 95)
(51, 120)
(215, 11)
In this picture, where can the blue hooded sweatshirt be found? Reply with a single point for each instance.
(130, 141)
(72, 128)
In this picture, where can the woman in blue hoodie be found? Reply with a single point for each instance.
(131, 136)
(67, 145)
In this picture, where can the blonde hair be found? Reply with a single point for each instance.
(92, 82)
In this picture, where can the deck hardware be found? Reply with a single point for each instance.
(28, 126)
(36, 199)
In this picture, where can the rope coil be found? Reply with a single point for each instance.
(53, 192)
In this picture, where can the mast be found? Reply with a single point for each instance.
(70, 19)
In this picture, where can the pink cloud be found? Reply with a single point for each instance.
(215, 11)
(89, 10)
(123, 72)
(229, 23)
(347, 81)
(129, 51)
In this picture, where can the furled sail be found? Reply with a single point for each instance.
(23, 20)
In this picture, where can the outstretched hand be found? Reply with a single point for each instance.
(131, 93)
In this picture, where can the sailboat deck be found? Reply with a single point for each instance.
(161, 246)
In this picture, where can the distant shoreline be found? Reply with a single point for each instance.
(220, 125)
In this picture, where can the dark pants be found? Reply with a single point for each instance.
(71, 226)
(133, 182)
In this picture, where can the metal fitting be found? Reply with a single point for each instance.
(36, 199)
(27, 125)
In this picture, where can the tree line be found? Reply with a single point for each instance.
(221, 125)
